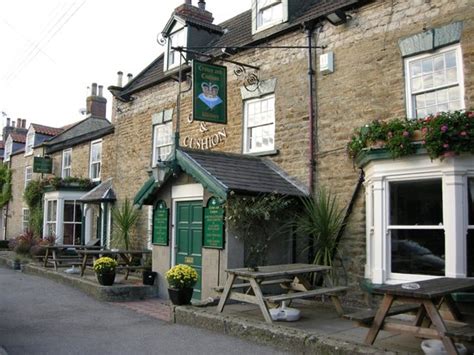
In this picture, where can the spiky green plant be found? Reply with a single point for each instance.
(321, 220)
(124, 219)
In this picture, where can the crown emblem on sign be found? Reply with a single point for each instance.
(210, 90)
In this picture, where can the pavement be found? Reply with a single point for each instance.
(319, 331)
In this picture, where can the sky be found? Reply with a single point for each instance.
(51, 51)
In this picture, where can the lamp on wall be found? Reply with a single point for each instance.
(163, 169)
(337, 17)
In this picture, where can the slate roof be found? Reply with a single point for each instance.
(237, 33)
(18, 138)
(89, 128)
(46, 130)
(100, 193)
(237, 173)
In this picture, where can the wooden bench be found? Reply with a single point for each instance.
(306, 294)
(263, 283)
(465, 333)
(365, 318)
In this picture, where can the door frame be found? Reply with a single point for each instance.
(182, 193)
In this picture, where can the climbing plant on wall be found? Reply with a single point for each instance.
(5, 185)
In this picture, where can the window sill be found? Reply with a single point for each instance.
(28, 154)
(265, 153)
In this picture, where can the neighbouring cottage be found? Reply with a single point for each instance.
(413, 217)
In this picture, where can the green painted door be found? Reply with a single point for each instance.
(189, 238)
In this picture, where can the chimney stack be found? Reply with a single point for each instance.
(23, 123)
(96, 105)
(13, 124)
(130, 77)
(18, 123)
(8, 121)
(119, 78)
(202, 5)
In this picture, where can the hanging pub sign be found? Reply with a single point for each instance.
(209, 92)
(160, 224)
(43, 165)
(213, 224)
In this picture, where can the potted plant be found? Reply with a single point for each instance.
(181, 280)
(148, 275)
(104, 268)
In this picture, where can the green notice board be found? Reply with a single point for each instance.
(42, 165)
(209, 92)
(213, 224)
(160, 224)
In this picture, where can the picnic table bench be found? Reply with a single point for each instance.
(291, 277)
(425, 297)
(64, 254)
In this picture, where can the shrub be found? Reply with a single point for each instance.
(23, 243)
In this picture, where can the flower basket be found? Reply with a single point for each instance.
(104, 268)
(181, 279)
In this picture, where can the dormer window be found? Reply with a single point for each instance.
(176, 39)
(8, 148)
(30, 142)
(267, 13)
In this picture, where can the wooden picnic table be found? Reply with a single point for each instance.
(429, 296)
(291, 277)
(54, 254)
(125, 257)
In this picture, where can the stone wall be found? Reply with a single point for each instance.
(368, 83)
(80, 159)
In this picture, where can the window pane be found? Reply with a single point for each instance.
(68, 237)
(451, 76)
(450, 59)
(427, 65)
(470, 252)
(418, 252)
(69, 211)
(415, 68)
(78, 214)
(416, 203)
(470, 201)
(439, 62)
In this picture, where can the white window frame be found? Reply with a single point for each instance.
(30, 142)
(8, 148)
(259, 13)
(94, 162)
(156, 147)
(410, 107)
(25, 219)
(66, 169)
(246, 142)
(73, 222)
(28, 174)
(454, 176)
(53, 222)
(182, 30)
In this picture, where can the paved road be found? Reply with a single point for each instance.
(39, 316)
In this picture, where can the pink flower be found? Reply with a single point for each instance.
(470, 114)
(390, 134)
(423, 142)
(405, 134)
(463, 134)
(449, 154)
(445, 145)
(424, 130)
(444, 128)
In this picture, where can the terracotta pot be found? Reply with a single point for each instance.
(417, 136)
(106, 279)
(180, 296)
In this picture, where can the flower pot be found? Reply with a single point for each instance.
(417, 136)
(106, 279)
(180, 296)
(149, 277)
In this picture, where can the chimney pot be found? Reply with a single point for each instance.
(101, 90)
(130, 77)
(119, 78)
(23, 123)
(8, 121)
(187, 2)
(94, 89)
(13, 123)
(202, 4)
(18, 123)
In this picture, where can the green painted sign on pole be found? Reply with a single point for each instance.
(209, 92)
(42, 165)
(160, 224)
(213, 224)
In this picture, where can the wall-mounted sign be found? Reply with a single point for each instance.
(213, 224)
(160, 224)
(209, 92)
(42, 165)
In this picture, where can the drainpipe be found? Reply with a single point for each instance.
(309, 28)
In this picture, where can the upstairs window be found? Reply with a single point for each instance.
(25, 220)
(30, 141)
(66, 163)
(176, 39)
(259, 131)
(268, 13)
(28, 175)
(434, 82)
(8, 149)
(95, 160)
(162, 135)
